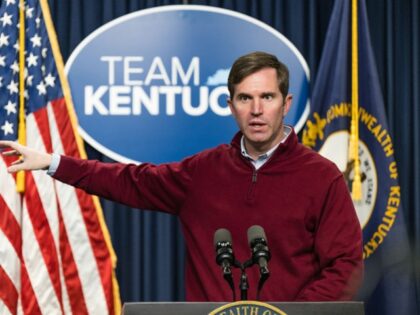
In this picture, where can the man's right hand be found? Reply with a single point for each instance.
(28, 160)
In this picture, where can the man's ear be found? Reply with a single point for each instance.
(231, 106)
(287, 104)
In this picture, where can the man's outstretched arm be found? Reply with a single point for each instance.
(145, 186)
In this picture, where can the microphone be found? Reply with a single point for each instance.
(260, 252)
(224, 255)
(224, 251)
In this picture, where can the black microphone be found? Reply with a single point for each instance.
(224, 256)
(260, 252)
(224, 251)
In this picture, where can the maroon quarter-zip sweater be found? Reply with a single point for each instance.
(298, 197)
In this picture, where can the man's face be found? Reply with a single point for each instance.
(259, 108)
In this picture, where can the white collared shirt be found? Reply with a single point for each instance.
(263, 158)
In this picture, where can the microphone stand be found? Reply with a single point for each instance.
(243, 284)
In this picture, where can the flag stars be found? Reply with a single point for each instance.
(32, 60)
(36, 40)
(3, 61)
(6, 19)
(15, 67)
(7, 128)
(29, 80)
(29, 12)
(1, 81)
(42, 89)
(4, 40)
(10, 107)
(44, 52)
(13, 87)
(9, 2)
(16, 46)
(50, 80)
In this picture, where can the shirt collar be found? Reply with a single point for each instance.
(287, 131)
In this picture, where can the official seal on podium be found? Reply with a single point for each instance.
(247, 308)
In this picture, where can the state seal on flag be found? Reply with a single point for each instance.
(329, 134)
(335, 148)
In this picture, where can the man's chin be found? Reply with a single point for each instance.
(256, 138)
(256, 142)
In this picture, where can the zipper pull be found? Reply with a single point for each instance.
(254, 176)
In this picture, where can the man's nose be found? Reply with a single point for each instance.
(256, 107)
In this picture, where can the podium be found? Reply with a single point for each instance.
(204, 308)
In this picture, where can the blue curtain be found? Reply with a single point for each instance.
(149, 245)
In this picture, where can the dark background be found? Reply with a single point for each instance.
(151, 273)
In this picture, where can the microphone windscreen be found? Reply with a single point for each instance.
(222, 235)
(255, 232)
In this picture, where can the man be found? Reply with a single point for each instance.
(264, 177)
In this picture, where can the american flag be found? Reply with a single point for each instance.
(55, 251)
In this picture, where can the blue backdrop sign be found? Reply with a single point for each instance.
(151, 85)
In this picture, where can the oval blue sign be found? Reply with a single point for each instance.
(151, 85)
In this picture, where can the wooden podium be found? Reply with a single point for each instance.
(199, 308)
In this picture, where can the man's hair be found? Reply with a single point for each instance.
(256, 61)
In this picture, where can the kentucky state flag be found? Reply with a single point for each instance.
(388, 285)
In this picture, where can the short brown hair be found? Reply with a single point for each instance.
(253, 62)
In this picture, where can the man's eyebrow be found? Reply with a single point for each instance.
(268, 94)
(243, 94)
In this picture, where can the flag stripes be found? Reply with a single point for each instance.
(43, 235)
(48, 228)
(96, 238)
(8, 291)
(71, 274)
(27, 295)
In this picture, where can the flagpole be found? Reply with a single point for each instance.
(356, 191)
(20, 177)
